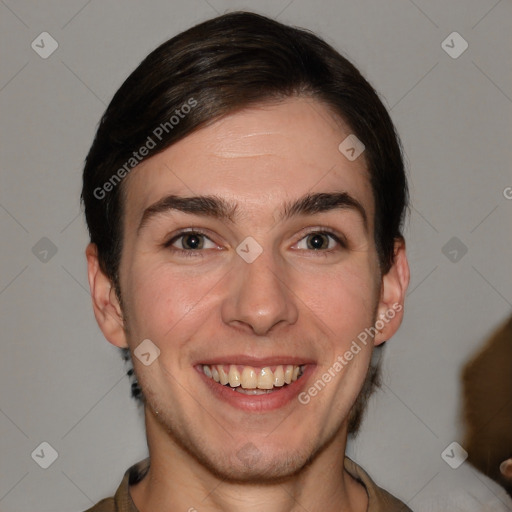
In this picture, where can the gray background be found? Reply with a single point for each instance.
(62, 383)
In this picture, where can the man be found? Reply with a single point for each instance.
(244, 195)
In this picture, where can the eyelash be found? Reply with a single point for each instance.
(198, 253)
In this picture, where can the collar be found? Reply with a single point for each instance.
(379, 500)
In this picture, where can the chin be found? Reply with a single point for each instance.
(267, 469)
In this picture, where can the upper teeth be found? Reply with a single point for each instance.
(249, 377)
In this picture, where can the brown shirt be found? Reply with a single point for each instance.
(379, 500)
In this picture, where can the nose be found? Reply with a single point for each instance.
(258, 297)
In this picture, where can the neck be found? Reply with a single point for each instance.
(176, 477)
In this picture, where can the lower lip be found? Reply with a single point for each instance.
(259, 403)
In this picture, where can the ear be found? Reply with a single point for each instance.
(393, 288)
(105, 303)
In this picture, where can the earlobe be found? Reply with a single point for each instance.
(393, 290)
(105, 303)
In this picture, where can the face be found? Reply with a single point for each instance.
(256, 286)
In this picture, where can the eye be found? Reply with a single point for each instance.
(190, 241)
(324, 241)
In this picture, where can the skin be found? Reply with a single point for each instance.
(291, 300)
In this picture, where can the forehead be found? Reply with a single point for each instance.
(257, 156)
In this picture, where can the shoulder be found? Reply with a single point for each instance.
(105, 505)
(122, 501)
(379, 500)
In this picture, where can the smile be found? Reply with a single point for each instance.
(253, 380)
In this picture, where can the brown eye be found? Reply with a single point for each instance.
(320, 241)
(192, 241)
(189, 242)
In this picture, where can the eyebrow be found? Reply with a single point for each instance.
(219, 208)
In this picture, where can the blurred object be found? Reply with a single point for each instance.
(462, 501)
(487, 382)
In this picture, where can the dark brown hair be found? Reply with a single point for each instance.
(220, 66)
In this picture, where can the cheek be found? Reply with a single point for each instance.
(165, 300)
(344, 298)
(169, 303)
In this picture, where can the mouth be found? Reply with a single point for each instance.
(251, 380)
(261, 387)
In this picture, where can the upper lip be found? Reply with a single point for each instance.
(245, 360)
